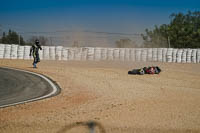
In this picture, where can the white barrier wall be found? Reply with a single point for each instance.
(41, 53)
(110, 54)
(20, 52)
(160, 51)
(122, 54)
(144, 55)
(149, 54)
(132, 54)
(77, 53)
(98, 54)
(174, 55)
(90, 53)
(155, 54)
(59, 52)
(138, 54)
(7, 51)
(116, 54)
(198, 55)
(84, 54)
(184, 56)
(169, 54)
(194, 56)
(13, 54)
(65, 54)
(27, 52)
(164, 55)
(46, 52)
(189, 55)
(2, 49)
(52, 53)
(104, 54)
(127, 54)
(179, 56)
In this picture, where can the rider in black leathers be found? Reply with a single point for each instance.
(35, 52)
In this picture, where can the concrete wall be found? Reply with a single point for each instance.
(98, 54)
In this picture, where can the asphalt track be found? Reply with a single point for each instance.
(19, 86)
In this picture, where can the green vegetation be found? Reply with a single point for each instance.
(12, 38)
(182, 32)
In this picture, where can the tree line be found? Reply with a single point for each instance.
(13, 37)
(182, 32)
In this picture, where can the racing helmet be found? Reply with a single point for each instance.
(37, 42)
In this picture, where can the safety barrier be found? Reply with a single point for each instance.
(46, 53)
(127, 54)
(164, 55)
(138, 54)
(13, 54)
(41, 53)
(169, 54)
(84, 54)
(160, 50)
(198, 55)
(65, 54)
(78, 53)
(20, 52)
(179, 56)
(110, 54)
(59, 52)
(97, 54)
(149, 54)
(174, 55)
(132, 54)
(155, 54)
(7, 51)
(52, 53)
(122, 54)
(144, 55)
(184, 56)
(194, 56)
(2, 49)
(189, 55)
(104, 54)
(90, 54)
(27, 52)
(116, 54)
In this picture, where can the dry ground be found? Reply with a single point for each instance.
(103, 92)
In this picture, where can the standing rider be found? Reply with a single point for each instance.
(35, 52)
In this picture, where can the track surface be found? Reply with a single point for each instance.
(19, 87)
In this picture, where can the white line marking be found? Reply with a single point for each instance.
(39, 98)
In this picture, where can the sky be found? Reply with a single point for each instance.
(122, 16)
